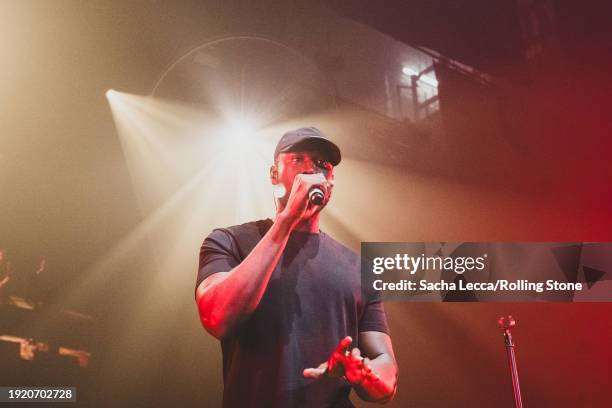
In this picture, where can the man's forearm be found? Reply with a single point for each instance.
(382, 390)
(229, 298)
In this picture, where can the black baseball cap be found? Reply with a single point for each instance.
(308, 138)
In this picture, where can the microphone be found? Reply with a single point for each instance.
(316, 195)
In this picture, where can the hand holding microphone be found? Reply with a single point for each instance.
(307, 196)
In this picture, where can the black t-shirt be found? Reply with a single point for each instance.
(312, 301)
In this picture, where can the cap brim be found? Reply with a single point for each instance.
(325, 146)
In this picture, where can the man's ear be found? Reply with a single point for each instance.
(274, 174)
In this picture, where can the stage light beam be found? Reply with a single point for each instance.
(240, 130)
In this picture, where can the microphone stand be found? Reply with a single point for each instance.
(506, 323)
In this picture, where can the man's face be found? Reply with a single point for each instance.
(291, 164)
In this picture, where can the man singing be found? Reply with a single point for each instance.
(285, 299)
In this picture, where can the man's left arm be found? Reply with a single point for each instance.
(376, 350)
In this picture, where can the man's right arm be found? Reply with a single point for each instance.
(226, 299)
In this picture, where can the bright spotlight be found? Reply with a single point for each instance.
(423, 78)
(240, 129)
(110, 93)
(239, 134)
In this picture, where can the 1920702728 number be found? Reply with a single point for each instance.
(37, 393)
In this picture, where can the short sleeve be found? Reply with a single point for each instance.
(374, 317)
(217, 254)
